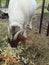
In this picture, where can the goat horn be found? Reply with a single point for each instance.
(15, 37)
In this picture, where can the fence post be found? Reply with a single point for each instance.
(48, 29)
(41, 19)
(7, 2)
(0, 3)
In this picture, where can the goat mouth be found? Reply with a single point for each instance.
(13, 43)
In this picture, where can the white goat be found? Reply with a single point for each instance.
(20, 13)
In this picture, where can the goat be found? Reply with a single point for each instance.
(20, 13)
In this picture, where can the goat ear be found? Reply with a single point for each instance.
(22, 38)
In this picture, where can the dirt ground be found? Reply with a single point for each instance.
(34, 52)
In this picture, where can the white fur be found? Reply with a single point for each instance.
(20, 12)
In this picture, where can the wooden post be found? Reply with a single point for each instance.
(41, 19)
(48, 30)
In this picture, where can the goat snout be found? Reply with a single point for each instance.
(17, 36)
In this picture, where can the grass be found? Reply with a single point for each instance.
(40, 1)
(45, 10)
(46, 13)
(3, 2)
(3, 27)
(39, 46)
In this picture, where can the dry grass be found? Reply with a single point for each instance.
(36, 49)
